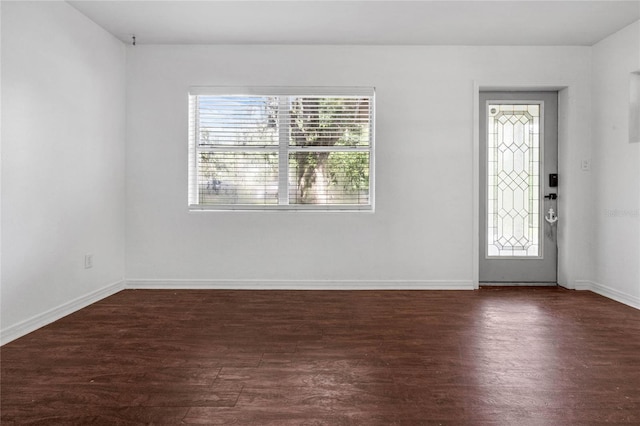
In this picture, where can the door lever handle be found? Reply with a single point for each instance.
(551, 196)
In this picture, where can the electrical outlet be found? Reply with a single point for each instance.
(88, 261)
(586, 165)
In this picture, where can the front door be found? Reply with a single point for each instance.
(518, 158)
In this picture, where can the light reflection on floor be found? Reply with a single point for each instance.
(515, 354)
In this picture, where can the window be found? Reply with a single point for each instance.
(281, 148)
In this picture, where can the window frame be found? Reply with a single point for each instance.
(283, 148)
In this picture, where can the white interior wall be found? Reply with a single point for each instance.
(420, 234)
(616, 170)
(574, 189)
(63, 188)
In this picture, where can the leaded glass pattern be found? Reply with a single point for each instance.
(513, 180)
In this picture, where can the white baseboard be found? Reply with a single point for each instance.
(609, 292)
(27, 326)
(568, 285)
(300, 284)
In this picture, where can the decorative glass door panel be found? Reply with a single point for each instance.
(513, 180)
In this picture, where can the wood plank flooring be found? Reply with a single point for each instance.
(497, 356)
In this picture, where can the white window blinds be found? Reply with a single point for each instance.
(281, 148)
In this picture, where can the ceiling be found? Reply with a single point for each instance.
(372, 22)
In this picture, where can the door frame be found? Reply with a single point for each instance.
(479, 86)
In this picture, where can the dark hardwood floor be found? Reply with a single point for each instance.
(497, 356)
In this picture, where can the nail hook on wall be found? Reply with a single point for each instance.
(133, 40)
